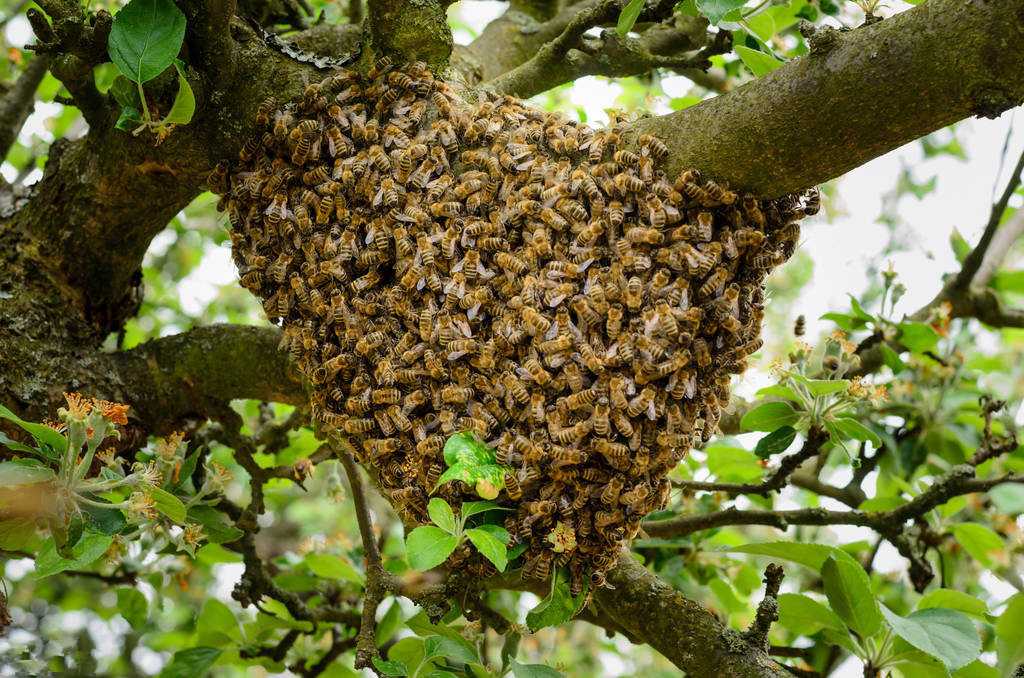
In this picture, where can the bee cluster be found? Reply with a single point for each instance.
(440, 266)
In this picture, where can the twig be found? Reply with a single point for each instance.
(18, 102)
(768, 609)
(816, 437)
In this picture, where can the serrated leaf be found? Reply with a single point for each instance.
(441, 646)
(820, 387)
(805, 615)
(851, 428)
(489, 547)
(947, 635)
(133, 607)
(42, 434)
(332, 567)
(105, 520)
(390, 668)
(24, 472)
(758, 62)
(145, 38)
(628, 16)
(849, 595)
(776, 442)
(769, 417)
(215, 528)
(496, 531)
(779, 391)
(191, 663)
(429, 546)
(442, 515)
(89, 549)
(184, 105)
(169, 505)
(465, 448)
(558, 607)
(534, 671)
(714, 10)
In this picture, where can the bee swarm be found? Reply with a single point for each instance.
(439, 266)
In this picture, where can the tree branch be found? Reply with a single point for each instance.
(856, 96)
(410, 30)
(687, 634)
(18, 102)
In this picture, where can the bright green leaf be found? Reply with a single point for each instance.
(429, 546)
(441, 513)
(557, 608)
(215, 528)
(89, 549)
(1008, 498)
(169, 505)
(714, 10)
(820, 387)
(978, 540)
(332, 567)
(184, 106)
(42, 434)
(489, 547)
(855, 430)
(498, 532)
(758, 62)
(1010, 635)
(388, 624)
(769, 417)
(849, 595)
(24, 472)
(408, 651)
(191, 663)
(954, 600)
(390, 668)
(145, 38)
(465, 448)
(440, 646)
(891, 358)
(806, 616)
(918, 337)
(809, 555)
(133, 607)
(945, 634)
(471, 508)
(779, 391)
(630, 13)
(534, 671)
(16, 533)
(217, 620)
(732, 463)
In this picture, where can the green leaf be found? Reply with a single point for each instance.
(129, 120)
(390, 668)
(858, 310)
(557, 608)
(1008, 498)
(809, 555)
(806, 616)
(105, 520)
(775, 442)
(486, 479)
(16, 534)
(714, 10)
(955, 600)
(849, 594)
(855, 430)
(145, 38)
(891, 358)
(332, 567)
(769, 417)
(918, 337)
(133, 607)
(1010, 635)
(191, 663)
(534, 671)
(976, 669)
(779, 391)
(945, 634)
(440, 646)
(184, 106)
(441, 513)
(15, 446)
(42, 434)
(408, 651)
(24, 472)
(489, 547)
(979, 541)
(215, 528)
(429, 546)
(471, 508)
(732, 463)
(125, 92)
(217, 623)
(498, 532)
(820, 387)
(842, 320)
(630, 13)
(89, 549)
(959, 246)
(465, 448)
(758, 62)
(169, 505)
(509, 649)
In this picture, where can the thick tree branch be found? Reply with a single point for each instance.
(18, 102)
(410, 30)
(856, 96)
(685, 632)
(209, 37)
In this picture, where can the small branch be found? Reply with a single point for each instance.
(972, 263)
(1001, 246)
(768, 609)
(816, 437)
(17, 104)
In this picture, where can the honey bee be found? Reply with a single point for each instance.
(653, 145)
(627, 183)
(647, 236)
(641, 402)
(632, 294)
(613, 323)
(536, 371)
(714, 282)
(446, 209)
(800, 326)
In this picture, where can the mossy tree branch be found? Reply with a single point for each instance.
(856, 96)
(410, 30)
